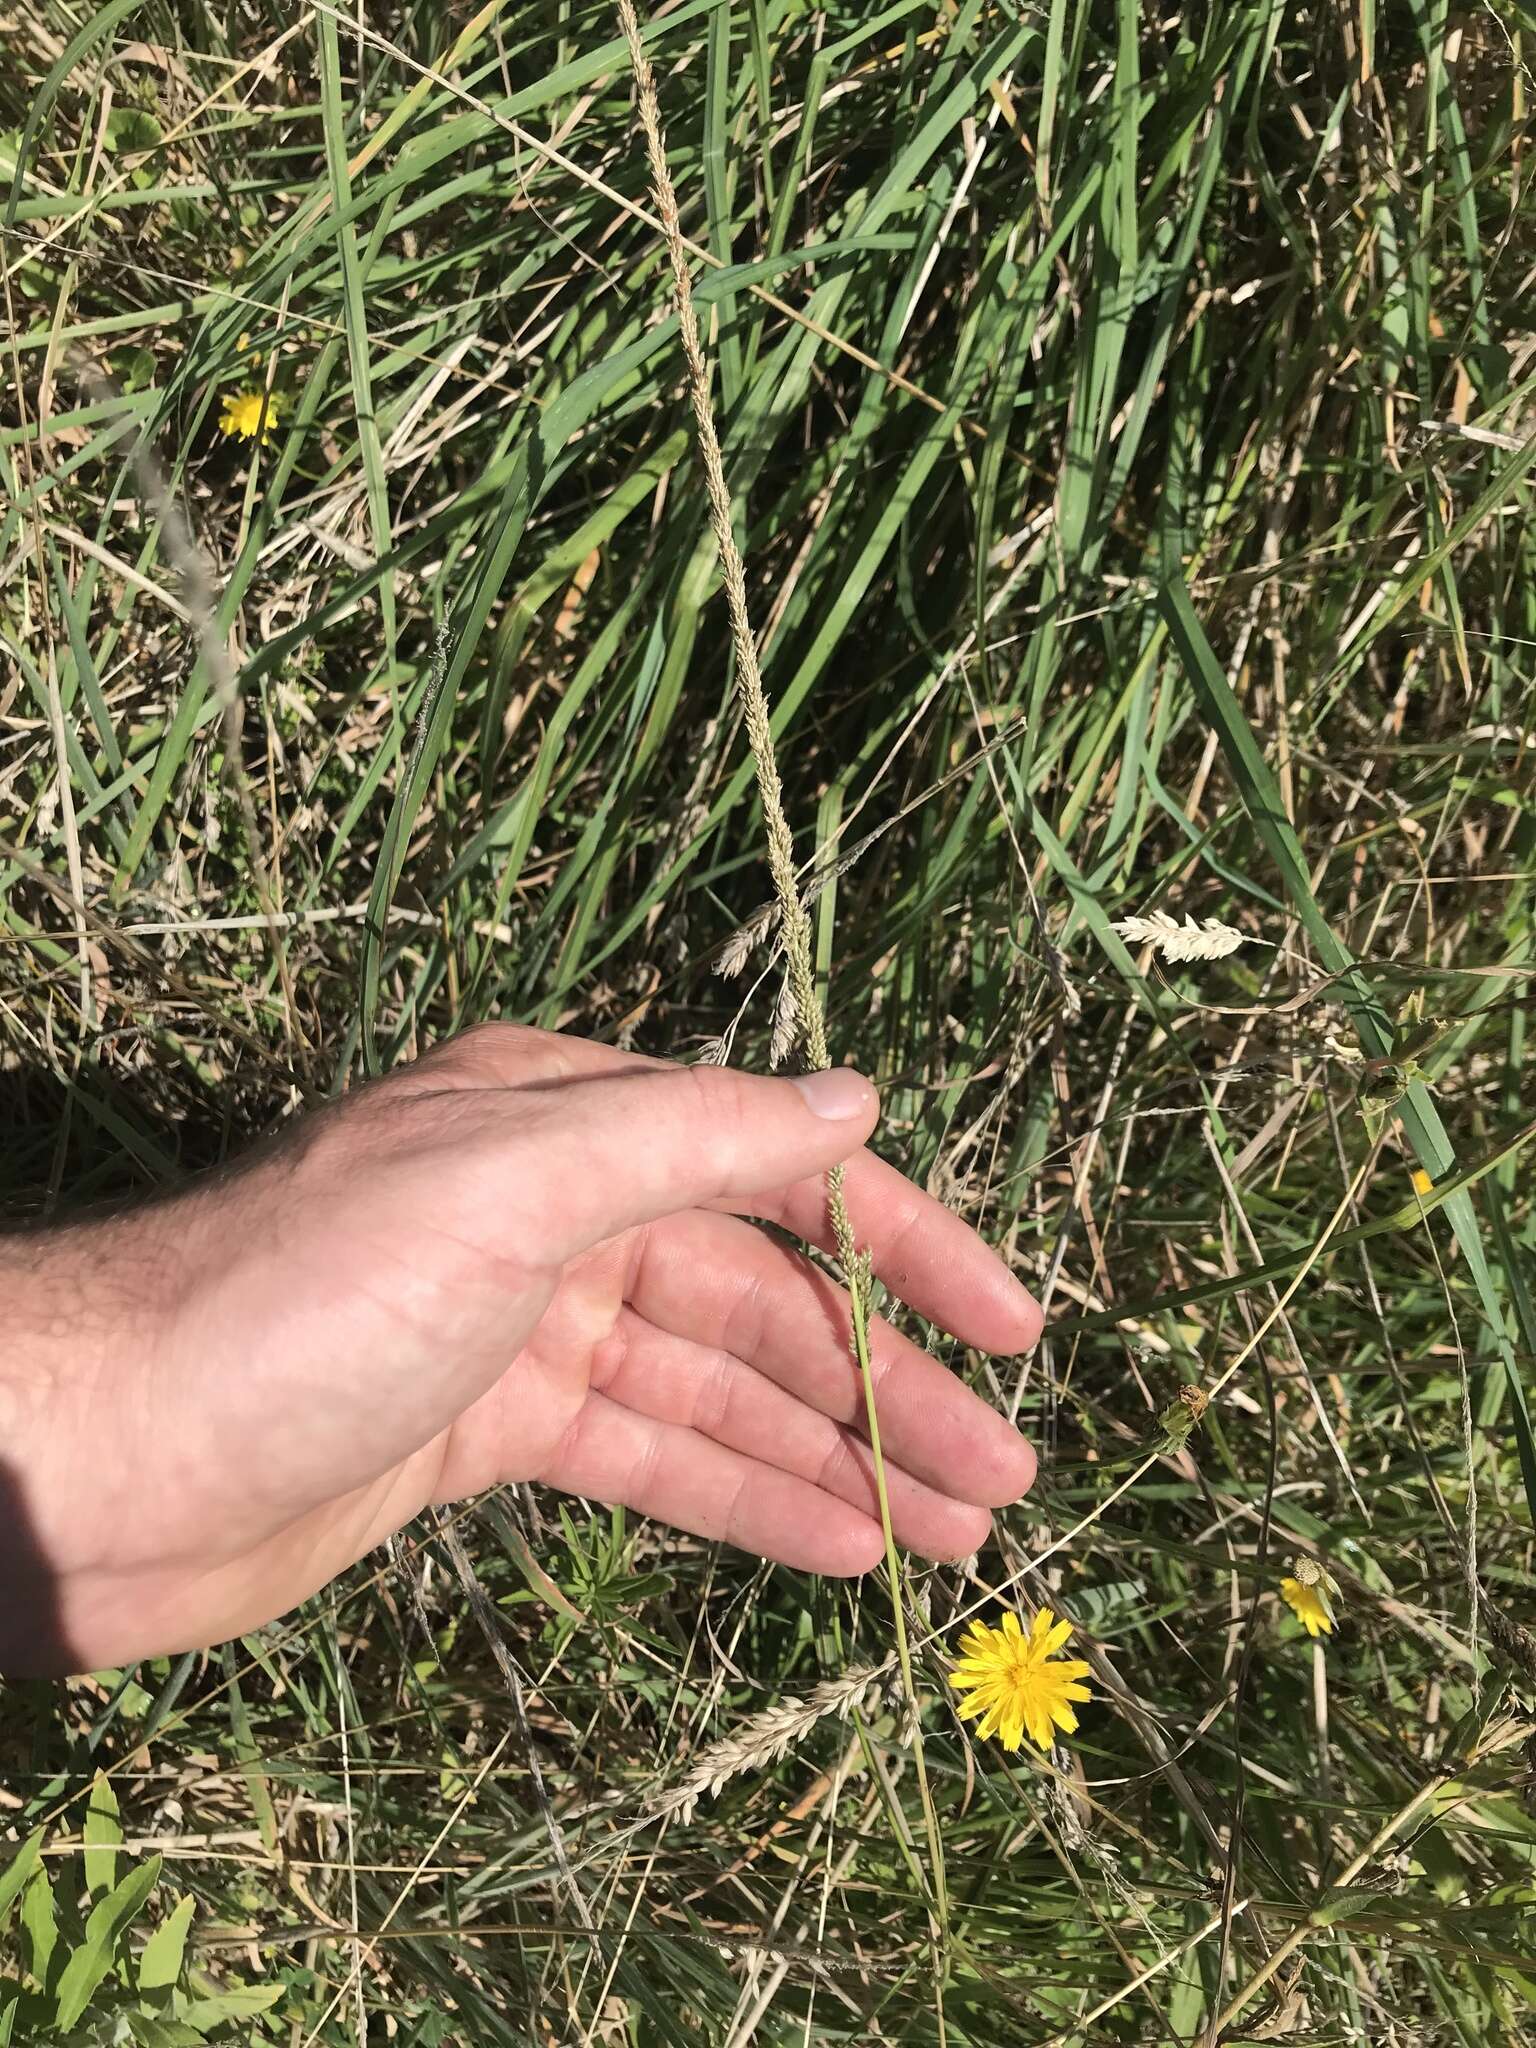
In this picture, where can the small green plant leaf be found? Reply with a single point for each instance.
(154, 2030)
(41, 1923)
(103, 1832)
(17, 1871)
(132, 129)
(1342, 1903)
(248, 1750)
(1374, 1110)
(241, 2001)
(160, 1964)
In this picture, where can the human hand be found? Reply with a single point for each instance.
(522, 1258)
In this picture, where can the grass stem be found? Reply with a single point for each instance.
(795, 924)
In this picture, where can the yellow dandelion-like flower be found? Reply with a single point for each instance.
(1015, 1684)
(242, 415)
(1309, 1604)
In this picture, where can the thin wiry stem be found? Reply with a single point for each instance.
(1502, 1734)
(1144, 1465)
(795, 923)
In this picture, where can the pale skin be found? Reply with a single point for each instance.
(524, 1257)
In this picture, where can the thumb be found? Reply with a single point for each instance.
(626, 1148)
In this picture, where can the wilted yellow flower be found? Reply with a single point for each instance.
(1309, 1604)
(1015, 1683)
(242, 414)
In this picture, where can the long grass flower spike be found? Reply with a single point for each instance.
(1176, 942)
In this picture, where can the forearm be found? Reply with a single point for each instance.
(80, 1307)
(151, 1417)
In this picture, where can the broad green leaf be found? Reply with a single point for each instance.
(160, 1961)
(87, 1968)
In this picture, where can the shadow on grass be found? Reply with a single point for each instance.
(32, 1639)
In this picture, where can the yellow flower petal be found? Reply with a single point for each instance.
(1013, 1683)
(1310, 1606)
(242, 416)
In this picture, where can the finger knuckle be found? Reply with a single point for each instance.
(905, 1227)
(488, 1049)
(719, 1104)
(716, 1397)
(645, 1472)
(884, 1355)
(838, 1464)
(746, 1322)
(736, 1507)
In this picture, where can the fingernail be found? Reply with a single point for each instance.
(838, 1093)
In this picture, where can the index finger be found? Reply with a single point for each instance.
(922, 1251)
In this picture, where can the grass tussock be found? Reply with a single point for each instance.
(1128, 422)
